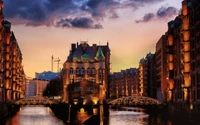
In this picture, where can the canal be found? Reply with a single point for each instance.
(39, 115)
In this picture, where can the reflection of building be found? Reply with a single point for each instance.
(12, 76)
(124, 83)
(85, 62)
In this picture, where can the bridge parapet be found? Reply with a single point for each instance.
(135, 100)
(34, 101)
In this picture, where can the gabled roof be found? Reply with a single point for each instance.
(99, 53)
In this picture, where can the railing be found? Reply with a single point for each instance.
(35, 101)
(135, 101)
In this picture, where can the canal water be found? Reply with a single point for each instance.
(39, 115)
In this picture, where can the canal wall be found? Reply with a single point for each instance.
(8, 109)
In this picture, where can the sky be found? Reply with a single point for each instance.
(48, 27)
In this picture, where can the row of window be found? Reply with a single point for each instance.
(81, 79)
(83, 71)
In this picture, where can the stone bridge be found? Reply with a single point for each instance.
(34, 101)
(135, 101)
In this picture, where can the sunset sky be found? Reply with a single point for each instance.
(48, 27)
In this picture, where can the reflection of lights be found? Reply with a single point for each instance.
(75, 101)
(82, 110)
(95, 100)
(95, 111)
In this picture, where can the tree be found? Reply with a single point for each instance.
(54, 87)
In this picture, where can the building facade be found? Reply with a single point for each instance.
(12, 76)
(90, 63)
(124, 83)
(161, 70)
(183, 55)
(147, 73)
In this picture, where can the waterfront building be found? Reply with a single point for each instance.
(194, 19)
(124, 83)
(183, 55)
(90, 63)
(12, 76)
(147, 72)
(46, 75)
(161, 70)
(30, 87)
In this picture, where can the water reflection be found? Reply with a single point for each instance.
(34, 116)
(128, 118)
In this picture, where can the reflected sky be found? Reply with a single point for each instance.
(34, 116)
(128, 118)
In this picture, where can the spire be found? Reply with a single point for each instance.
(99, 54)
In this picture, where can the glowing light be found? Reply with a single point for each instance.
(82, 110)
(95, 100)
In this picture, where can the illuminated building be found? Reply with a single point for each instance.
(161, 70)
(90, 63)
(194, 24)
(183, 55)
(147, 70)
(142, 87)
(12, 74)
(124, 83)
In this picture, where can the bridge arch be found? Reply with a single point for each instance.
(34, 101)
(135, 101)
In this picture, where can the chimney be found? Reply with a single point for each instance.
(73, 47)
(94, 47)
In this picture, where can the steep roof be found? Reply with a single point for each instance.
(99, 53)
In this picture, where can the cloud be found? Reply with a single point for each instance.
(165, 12)
(162, 13)
(147, 17)
(47, 12)
(83, 22)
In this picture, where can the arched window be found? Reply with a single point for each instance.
(77, 70)
(82, 70)
(88, 71)
(71, 71)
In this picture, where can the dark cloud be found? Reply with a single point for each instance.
(162, 13)
(147, 17)
(83, 22)
(165, 12)
(46, 12)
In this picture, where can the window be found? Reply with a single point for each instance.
(88, 71)
(82, 71)
(77, 71)
(93, 71)
(71, 71)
